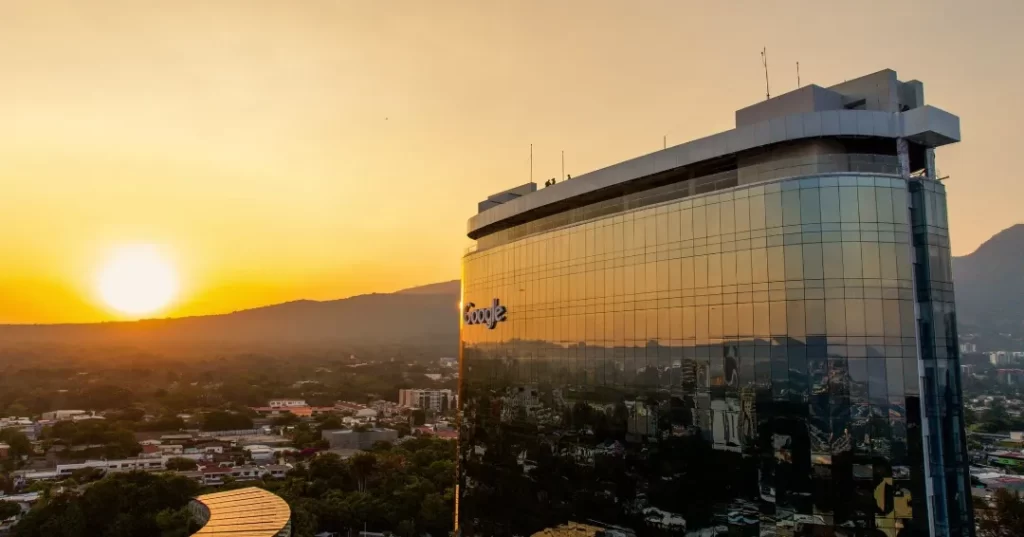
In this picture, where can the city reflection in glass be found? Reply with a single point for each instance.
(739, 363)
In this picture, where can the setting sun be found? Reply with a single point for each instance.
(138, 280)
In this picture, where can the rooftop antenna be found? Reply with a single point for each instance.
(664, 141)
(764, 63)
(531, 163)
(798, 75)
(563, 163)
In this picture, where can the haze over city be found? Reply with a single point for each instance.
(274, 151)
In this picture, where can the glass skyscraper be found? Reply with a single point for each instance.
(751, 334)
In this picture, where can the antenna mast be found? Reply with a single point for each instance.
(797, 74)
(764, 63)
(531, 163)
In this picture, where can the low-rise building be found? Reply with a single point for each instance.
(286, 403)
(260, 453)
(350, 439)
(61, 415)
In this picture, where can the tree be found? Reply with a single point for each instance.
(119, 504)
(285, 419)
(363, 465)
(219, 420)
(175, 522)
(419, 417)
(330, 423)
(1004, 518)
(181, 464)
(8, 509)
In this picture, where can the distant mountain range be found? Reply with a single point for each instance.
(420, 315)
(990, 285)
(989, 292)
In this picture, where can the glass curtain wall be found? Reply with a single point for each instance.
(743, 362)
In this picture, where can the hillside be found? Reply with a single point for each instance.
(423, 315)
(989, 292)
(989, 284)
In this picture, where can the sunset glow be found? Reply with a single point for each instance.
(138, 280)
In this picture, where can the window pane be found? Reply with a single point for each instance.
(849, 209)
(855, 317)
(866, 199)
(851, 260)
(700, 222)
(714, 220)
(759, 265)
(891, 318)
(756, 212)
(832, 258)
(835, 316)
(815, 315)
(791, 207)
(745, 319)
(743, 266)
(869, 253)
(727, 216)
(794, 262)
(729, 268)
(686, 224)
(812, 262)
(883, 204)
(829, 203)
(700, 271)
(673, 226)
(729, 321)
(773, 210)
(887, 260)
(795, 318)
(777, 318)
(776, 264)
(686, 268)
(810, 206)
(742, 212)
(873, 317)
(903, 263)
(899, 205)
(714, 270)
(761, 325)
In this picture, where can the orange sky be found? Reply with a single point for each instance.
(319, 149)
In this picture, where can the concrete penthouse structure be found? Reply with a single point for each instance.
(748, 334)
(248, 512)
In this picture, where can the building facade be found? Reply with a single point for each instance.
(428, 399)
(750, 334)
(351, 439)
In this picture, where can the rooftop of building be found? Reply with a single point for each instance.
(247, 512)
(811, 122)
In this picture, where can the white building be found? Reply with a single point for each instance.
(59, 415)
(260, 453)
(286, 403)
(436, 400)
(999, 358)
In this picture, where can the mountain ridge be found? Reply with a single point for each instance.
(426, 314)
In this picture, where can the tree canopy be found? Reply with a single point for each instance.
(120, 505)
(1003, 519)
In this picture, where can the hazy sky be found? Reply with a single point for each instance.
(320, 149)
